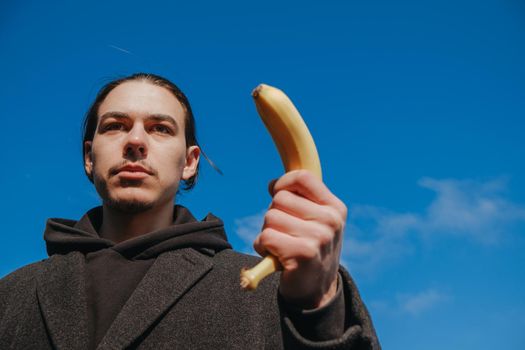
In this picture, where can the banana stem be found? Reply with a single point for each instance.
(250, 278)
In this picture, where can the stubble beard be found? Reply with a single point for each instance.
(125, 206)
(128, 206)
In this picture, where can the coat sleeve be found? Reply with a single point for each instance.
(21, 324)
(342, 324)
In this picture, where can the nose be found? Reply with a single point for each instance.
(136, 146)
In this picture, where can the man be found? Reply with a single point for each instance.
(139, 272)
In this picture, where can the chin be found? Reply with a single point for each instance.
(134, 201)
(129, 206)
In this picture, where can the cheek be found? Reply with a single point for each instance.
(102, 160)
(170, 168)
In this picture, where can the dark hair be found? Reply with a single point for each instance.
(91, 118)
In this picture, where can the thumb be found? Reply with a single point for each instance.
(271, 186)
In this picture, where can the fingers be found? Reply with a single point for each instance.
(271, 184)
(288, 249)
(304, 209)
(294, 226)
(312, 239)
(305, 184)
(303, 228)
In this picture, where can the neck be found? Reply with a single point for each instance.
(119, 226)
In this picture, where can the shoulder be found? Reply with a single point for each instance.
(230, 262)
(18, 287)
(231, 259)
(21, 276)
(234, 258)
(26, 276)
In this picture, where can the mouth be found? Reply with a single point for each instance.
(133, 172)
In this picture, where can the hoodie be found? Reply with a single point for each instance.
(113, 270)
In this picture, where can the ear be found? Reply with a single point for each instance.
(192, 161)
(88, 159)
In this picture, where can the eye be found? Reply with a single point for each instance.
(113, 127)
(162, 129)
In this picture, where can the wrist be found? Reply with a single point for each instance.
(329, 295)
(315, 301)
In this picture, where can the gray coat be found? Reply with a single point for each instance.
(187, 300)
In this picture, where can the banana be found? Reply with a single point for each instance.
(296, 148)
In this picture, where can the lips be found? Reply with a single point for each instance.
(133, 172)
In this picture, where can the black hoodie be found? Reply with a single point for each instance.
(113, 271)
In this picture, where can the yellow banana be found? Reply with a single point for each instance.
(296, 148)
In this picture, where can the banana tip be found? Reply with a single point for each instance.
(257, 90)
(245, 281)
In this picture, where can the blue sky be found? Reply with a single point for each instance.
(417, 108)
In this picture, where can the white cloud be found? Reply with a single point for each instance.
(411, 304)
(476, 210)
(479, 211)
(415, 304)
(247, 228)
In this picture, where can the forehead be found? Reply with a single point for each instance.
(140, 99)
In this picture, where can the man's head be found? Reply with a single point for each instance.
(139, 142)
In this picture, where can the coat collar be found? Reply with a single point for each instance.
(61, 294)
(62, 297)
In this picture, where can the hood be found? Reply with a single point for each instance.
(63, 236)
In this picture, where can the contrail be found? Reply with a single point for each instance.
(120, 49)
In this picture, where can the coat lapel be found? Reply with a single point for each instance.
(170, 276)
(61, 296)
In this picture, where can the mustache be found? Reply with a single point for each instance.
(114, 170)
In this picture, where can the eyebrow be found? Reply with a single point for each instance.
(158, 117)
(116, 115)
(163, 118)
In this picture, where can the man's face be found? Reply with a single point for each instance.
(138, 154)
